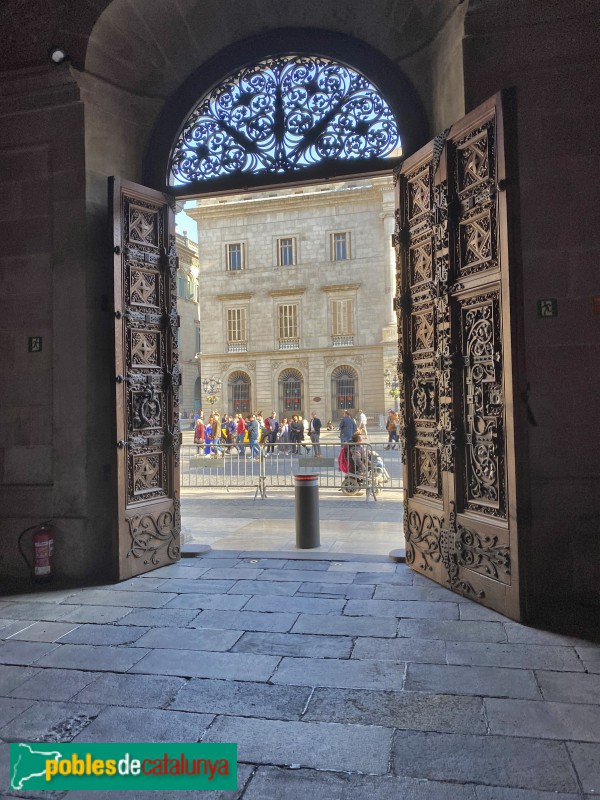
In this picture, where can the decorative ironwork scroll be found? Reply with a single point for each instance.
(482, 553)
(154, 536)
(453, 300)
(484, 405)
(280, 115)
(422, 534)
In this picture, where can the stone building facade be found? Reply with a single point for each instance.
(188, 295)
(296, 297)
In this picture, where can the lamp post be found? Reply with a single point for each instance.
(392, 383)
(212, 388)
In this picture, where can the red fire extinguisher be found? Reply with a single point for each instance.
(43, 546)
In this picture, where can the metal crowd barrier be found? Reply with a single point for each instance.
(273, 466)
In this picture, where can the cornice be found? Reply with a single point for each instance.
(341, 287)
(289, 200)
(235, 296)
(291, 290)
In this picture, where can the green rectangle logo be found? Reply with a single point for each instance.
(122, 766)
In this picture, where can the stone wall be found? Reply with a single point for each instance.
(549, 52)
(43, 293)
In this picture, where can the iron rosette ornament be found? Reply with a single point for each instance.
(280, 115)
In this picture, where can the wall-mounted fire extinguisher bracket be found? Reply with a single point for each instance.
(42, 539)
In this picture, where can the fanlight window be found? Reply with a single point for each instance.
(281, 115)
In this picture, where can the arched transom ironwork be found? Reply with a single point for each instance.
(282, 115)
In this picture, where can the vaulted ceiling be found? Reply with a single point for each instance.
(151, 46)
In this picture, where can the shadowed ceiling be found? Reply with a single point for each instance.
(150, 47)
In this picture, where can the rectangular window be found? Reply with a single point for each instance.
(189, 288)
(236, 325)
(198, 340)
(340, 246)
(181, 283)
(286, 252)
(341, 313)
(235, 257)
(288, 321)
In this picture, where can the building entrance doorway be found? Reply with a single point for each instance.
(455, 340)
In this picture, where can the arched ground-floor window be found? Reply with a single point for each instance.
(344, 382)
(238, 393)
(291, 397)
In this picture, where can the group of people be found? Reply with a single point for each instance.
(220, 434)
(350, 426)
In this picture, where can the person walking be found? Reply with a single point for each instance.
(253, 434)
(199, 434)
(391, 427)
(297, 434)
(215, 427)
(241, 434)
(231, 430)
(315, 434)
(284, 435)
(347, 427)
(362, 423)
(272, 426)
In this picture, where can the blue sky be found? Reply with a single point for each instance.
(185, 223)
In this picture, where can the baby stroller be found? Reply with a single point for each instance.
(363, 470)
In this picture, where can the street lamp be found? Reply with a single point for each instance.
(212, 388)
(392, 383)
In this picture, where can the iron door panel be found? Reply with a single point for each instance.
(457, 335)
(147, 531)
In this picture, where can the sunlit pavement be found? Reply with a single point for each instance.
(235, 521)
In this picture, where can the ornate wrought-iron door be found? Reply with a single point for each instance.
(146, 378)
(456, 362)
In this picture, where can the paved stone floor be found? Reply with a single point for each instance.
(235, 521)
(352, 679)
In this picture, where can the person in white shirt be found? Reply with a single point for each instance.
(362, 423)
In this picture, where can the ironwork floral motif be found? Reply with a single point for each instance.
(422, 534)
(481, 553)
(450, 556)
(484, 406)
(281, 115)
(154, 536)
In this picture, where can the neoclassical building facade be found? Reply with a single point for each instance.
(188, 295)
(296, 289)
